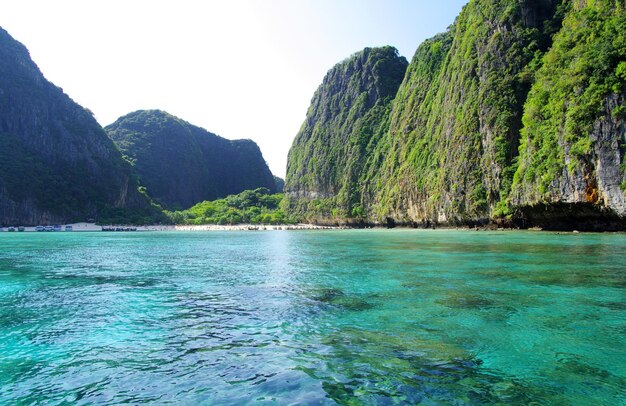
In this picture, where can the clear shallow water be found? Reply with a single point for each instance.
(369, 316)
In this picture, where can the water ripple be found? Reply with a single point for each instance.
(374, 317)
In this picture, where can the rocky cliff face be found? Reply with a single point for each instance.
(586, 194)
(517, 106)
(341, 129)
(181, 164)
(56, 163)
(574, 136)
(456, 120)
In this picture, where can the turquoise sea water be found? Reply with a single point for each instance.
(313, 317)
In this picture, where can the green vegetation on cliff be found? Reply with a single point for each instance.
(257, 206)
(341, 130)
(584, 70)
(466, 140)
(56, 163)
(456, 120)
(181, 164)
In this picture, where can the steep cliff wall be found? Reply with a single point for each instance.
(181, 164)
(574, 137)
(56, 163)
(455, 123)
(342, 128)
(514, 115)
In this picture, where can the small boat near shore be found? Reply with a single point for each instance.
(118, 228)
(21, 229)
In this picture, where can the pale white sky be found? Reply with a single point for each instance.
(239, 68)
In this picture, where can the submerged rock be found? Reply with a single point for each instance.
(327, 294)
(466, 301)
(337, 297)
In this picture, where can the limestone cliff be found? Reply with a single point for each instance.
(341, 129)
(516, 111)
(56, 163)
(574, 137)
(455, 123)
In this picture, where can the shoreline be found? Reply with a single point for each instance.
(83, 227)
(93, 227)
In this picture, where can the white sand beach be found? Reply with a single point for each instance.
(206, 227)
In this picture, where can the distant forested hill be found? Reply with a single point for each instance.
(181, 164)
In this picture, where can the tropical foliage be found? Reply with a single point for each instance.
(257, 206)
(586, 64)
